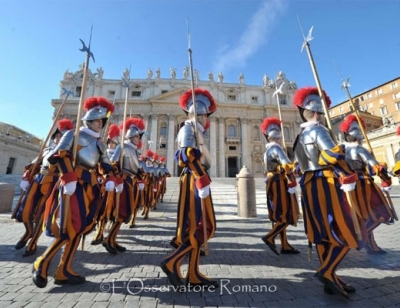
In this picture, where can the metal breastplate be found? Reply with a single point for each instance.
(311, 141)
(110, 153)
(186, 138)
(90, 149)
(45, 162)
(358, 158)
(130, 162)
(274, 156)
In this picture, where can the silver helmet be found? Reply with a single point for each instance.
(271, 128)
(205, 103)
(97, 108)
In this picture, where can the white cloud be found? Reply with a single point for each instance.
(254, 36)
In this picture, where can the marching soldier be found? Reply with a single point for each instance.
(280, 185)
(166, 173)
(128, 161)
(371, 204)
(149, 184)
(33, 205)
(194, 158)
(68, 218)
(104, 216)
(138, 189)
(327, 219)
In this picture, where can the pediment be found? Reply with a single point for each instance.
(169, 96)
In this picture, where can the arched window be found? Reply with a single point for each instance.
(231, 131)
(163, 129)
(256, 133)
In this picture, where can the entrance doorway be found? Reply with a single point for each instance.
(232, 167)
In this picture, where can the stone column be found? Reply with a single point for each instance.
(171, 144)
(154, 131)
(213, 148)
(145, 135)
(244, 142)
(221, 146)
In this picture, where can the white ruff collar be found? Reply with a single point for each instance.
(89, 132)
(128, 143)
(308, 124)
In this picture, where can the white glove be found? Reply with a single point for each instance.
(110, 185)
(141, 186)
(119, 188)
(291, 190)
(348, 187)
(24, 185)
(204, 192)
(386, 189)
(69, 188)
(155, 189)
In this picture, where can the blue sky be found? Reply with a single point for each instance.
(40, 41)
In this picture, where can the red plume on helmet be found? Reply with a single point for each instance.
(345, 125)
(186, 98)
(155, 156)
(398, 130)
(65, 124)
(301, 95)
(149, 153)
(268, 122)
(92, 102)
(113, 131)
(139, 123)
(163, 159)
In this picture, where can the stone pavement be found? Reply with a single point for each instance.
(250, 275)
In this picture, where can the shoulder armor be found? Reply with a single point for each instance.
(186, 136)
(66, 141)
(115, 157)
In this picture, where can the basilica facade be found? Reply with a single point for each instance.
(234, 137)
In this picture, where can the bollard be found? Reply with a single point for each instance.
(246, 192)
(7, 196)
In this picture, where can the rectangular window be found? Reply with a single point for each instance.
(136, 93)
(164, 91)
(254, 99)
(371, 105)
(383, 110)
(393, 85)
(163, 131)
(396, 96)
(111, 93)
(341, 108)
(361, 98)
(231, 97)
(369, 95)
(232, 148)
(378, 92)
(381, 101)
(78, 91)
(398, 105)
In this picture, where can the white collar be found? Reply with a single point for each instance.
(308, 124)
(127, 142)
(89, 132)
